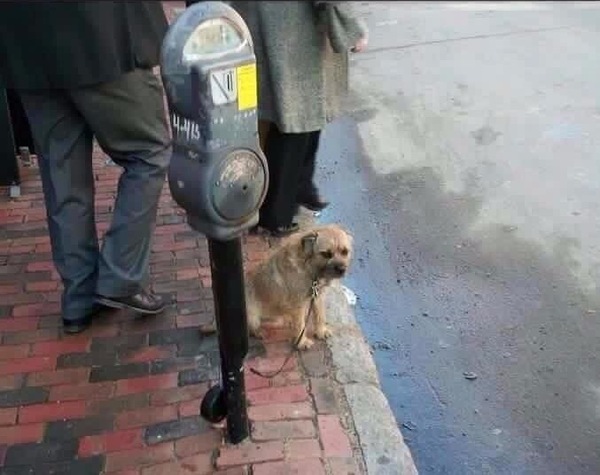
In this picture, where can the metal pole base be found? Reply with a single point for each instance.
(230, 312)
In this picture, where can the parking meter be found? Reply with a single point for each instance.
(218, 173)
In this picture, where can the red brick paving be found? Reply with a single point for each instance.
(93, 403)
(87, 403)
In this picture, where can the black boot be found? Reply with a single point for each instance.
(311, 199)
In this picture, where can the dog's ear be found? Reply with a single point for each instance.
(308, 243)
(350, 236)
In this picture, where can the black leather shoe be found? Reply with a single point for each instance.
(72, 327)
(144, 302)
(278, 232)
(313, 201)
(77, 325)
(283, 231)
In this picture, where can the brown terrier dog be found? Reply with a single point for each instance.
(297, 271)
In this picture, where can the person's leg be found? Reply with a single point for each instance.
(308, 193)
(128, 118)
(310, 161)
(285, 156)
(63, 142)
(21, 127)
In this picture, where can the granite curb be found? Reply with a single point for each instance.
(381, 442)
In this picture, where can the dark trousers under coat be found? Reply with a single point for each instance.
(291, 159)
(127, 117)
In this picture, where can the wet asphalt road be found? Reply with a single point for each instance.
(469, 173)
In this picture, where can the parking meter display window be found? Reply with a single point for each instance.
(214, 36)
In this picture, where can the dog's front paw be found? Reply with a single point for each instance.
(323, 333)
(305, 343)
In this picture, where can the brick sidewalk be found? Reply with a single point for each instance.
(123, 397)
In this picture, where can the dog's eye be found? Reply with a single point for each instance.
(327, 254)
(344, 252)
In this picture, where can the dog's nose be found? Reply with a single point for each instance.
(340, 268)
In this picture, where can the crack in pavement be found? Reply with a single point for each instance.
(369, 52)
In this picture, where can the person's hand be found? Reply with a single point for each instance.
(360, 45)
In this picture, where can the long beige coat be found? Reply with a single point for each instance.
(301, 79)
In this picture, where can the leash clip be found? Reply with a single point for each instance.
(315, 289)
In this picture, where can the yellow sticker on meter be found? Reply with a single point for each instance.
(246, 86)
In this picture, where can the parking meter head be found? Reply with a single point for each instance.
(218, 174)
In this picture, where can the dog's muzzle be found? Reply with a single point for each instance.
(336, 270)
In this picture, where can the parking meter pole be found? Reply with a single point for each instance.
(230, 312)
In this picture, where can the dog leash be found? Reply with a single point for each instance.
(314, 295)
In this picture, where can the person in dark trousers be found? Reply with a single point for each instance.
(291, 158)
(302, 57)
(85, 70)
(20, 124)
